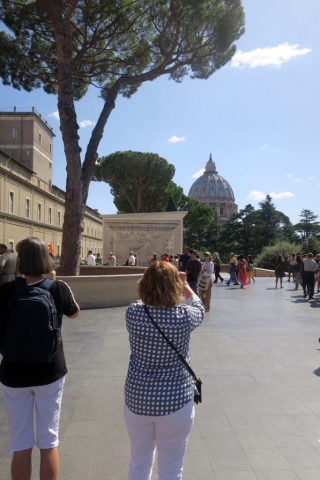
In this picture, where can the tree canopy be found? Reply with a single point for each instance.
(116, 45)
(140, 182)
(308, 224)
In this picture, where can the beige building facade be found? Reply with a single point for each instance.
(29, 204)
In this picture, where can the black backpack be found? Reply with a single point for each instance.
(30, 330)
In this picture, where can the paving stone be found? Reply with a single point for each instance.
(256, 353)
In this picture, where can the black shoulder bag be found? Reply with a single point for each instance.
(197, 381)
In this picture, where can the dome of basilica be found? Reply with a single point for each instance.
(213, 190)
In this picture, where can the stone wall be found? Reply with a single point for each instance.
(143, 233)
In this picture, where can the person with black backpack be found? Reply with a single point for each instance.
(33, 367)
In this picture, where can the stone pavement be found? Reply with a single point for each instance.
(258, 355)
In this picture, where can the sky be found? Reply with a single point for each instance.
(259, 115)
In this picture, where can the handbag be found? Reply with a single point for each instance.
(197, 381)
(204, 283)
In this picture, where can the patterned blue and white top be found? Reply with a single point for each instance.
(157, 382)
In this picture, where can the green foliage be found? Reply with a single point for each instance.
(140, 182)
(267, 258)
(308, 224)
(112, 39)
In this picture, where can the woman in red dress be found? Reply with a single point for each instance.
(242, 271)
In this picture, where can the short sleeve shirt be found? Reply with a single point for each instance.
(9, 262)
(17, 375)
(91, 259)
(157, 382)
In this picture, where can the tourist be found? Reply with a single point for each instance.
(205, 284)
(317, 273)
(233, 270)
(298, 271)
(31, 387)
(112, 259)
(184, 259)
(242, 271)
(8, 264)
(217, 267)
(310, 267)
(135, 259)
(250, 269)
(193, 271)
(279, 270)
(91, 259)
(152, 259)
(292, 261)
(159, 411)
(131, 261)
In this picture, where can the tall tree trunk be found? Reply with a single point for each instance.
(78, 176)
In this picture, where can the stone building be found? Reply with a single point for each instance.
(29, 204)
(213, 190)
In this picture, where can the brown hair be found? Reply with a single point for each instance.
(160, 285)
(33, 257)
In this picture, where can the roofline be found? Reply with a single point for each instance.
(33, 113)
(17, 161)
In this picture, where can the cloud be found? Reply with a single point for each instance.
(54, 115)
(256, 195)
(86, 123)
(175, 139)
(263, 147)
(198, 174)
(269, 56)
(289, 175)
(310, 178)
(298, 180)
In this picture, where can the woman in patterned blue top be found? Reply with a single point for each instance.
(159, 391)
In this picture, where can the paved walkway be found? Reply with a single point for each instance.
(257, 352)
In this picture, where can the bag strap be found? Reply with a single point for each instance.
(21, 284)
(176, 351)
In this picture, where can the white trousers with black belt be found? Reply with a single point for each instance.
(167, 434)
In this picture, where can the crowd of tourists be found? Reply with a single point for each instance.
(304, 271)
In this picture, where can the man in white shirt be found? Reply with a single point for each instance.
(131, 260)
(91, 259)
(310, 266)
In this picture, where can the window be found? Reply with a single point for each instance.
(88, 231)
(95, 233)
(50, 215)
(92, 231)
(50, 148)
(28, 152)
(11, 202)
(50, 165)
(39, 183)
(11, 165)
(40, 137)
(81, 252)
(59, 219)
(27, 207)
(14, 132)
(58, 250)
(11, 242)
(14, 153)
(39, 212)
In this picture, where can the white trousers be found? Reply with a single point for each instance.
(168, 434)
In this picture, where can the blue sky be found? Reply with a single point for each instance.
(259, 115)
